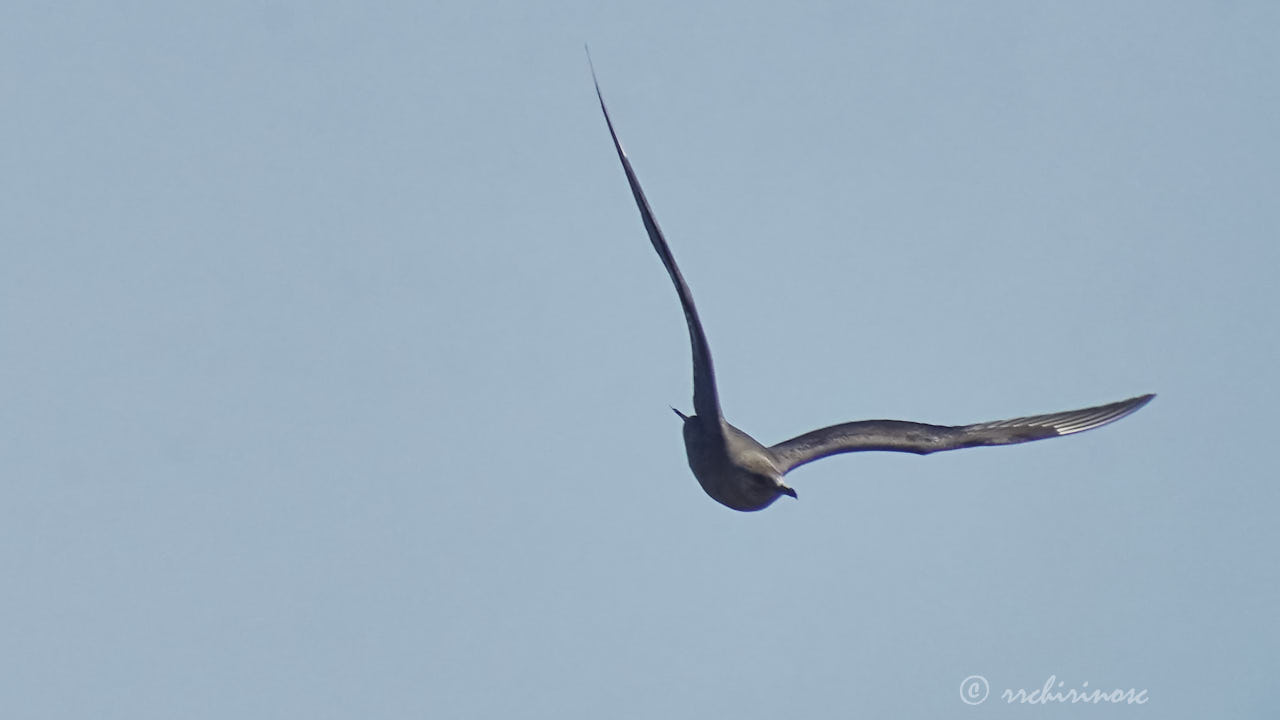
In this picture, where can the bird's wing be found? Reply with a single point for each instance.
(706, 403)
(922, 439)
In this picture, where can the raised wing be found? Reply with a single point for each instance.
(706, 402)
(922, 439)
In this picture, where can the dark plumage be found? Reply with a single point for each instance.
(740, 473)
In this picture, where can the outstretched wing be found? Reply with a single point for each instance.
(706, 403)
(922, 439)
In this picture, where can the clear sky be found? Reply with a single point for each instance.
(336, 365)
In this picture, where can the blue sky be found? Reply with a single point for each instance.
(337, 365)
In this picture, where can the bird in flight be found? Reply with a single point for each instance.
(742, 474)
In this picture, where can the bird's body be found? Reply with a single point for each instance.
(734, 469)
(740, 473)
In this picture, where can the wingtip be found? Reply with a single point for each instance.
(1140, 401)
(1096, 417)
(592, 67)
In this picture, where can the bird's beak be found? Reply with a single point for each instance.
(682, 415)
(785, 490)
